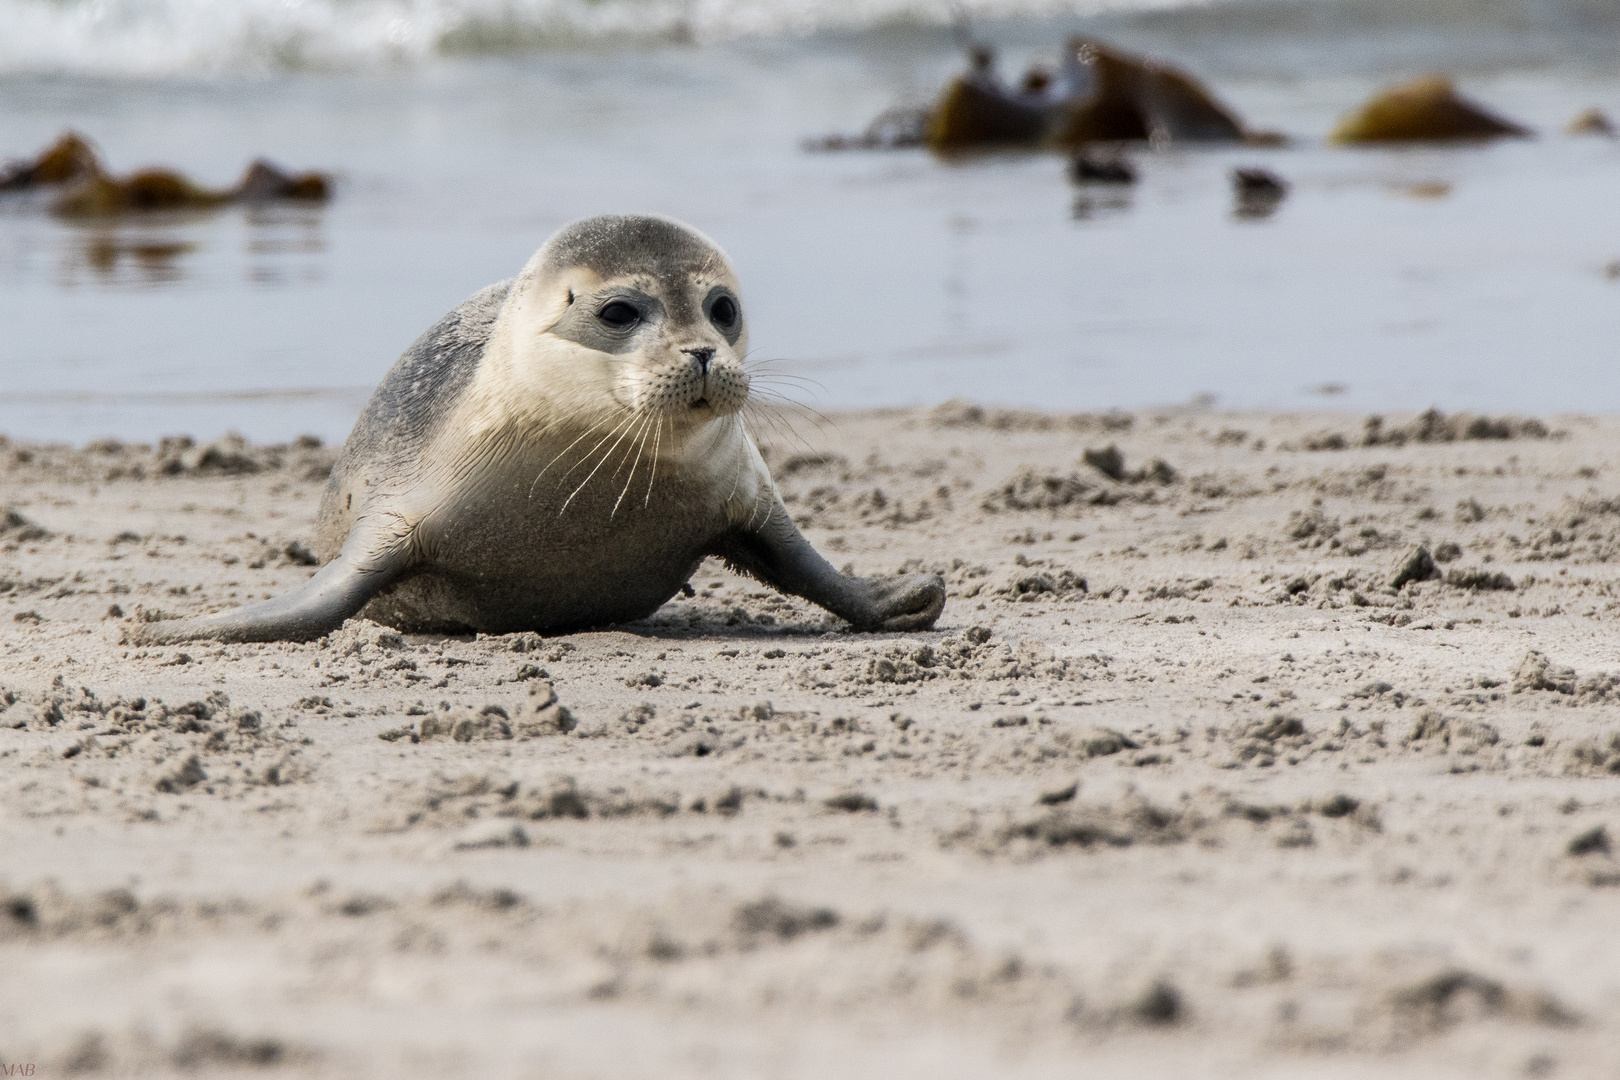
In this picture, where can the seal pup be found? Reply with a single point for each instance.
(560, 452)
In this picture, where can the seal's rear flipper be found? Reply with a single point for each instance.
(314, 609)
(780, 556)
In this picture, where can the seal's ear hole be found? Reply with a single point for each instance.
(570, 296)
(724, 312)
(619, 315)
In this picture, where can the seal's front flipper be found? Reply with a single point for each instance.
(371, 558)
(777, 554)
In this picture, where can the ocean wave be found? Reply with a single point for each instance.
(168, 37)
(156, 38)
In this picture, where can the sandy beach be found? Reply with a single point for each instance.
(1247, 745)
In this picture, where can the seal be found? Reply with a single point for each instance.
(559, 452)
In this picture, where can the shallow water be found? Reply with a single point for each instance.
(1388, 279)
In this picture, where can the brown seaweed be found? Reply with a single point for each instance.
(1592, 122)
(1115, 96)
(70, 157)
(1097, 94)
(88, 190)
(1424, 110)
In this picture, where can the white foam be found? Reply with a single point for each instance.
(168, 37)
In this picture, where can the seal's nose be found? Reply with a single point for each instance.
(701, 356)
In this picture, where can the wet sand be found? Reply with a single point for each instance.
(1180, 786)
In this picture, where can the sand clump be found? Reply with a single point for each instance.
(125, 746)
(107, 460)
(538, 716)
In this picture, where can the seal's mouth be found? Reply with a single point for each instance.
(701, 403)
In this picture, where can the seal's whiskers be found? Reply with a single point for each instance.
(587, 433)
(641, 444)
(652, 472)
(597, 468)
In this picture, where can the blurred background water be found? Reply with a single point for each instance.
(462, 132)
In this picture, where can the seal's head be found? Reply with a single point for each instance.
(642, 306)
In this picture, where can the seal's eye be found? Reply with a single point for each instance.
(724, 312)
(619, 315)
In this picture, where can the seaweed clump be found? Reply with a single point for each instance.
(86, 189)
(1424, 110)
